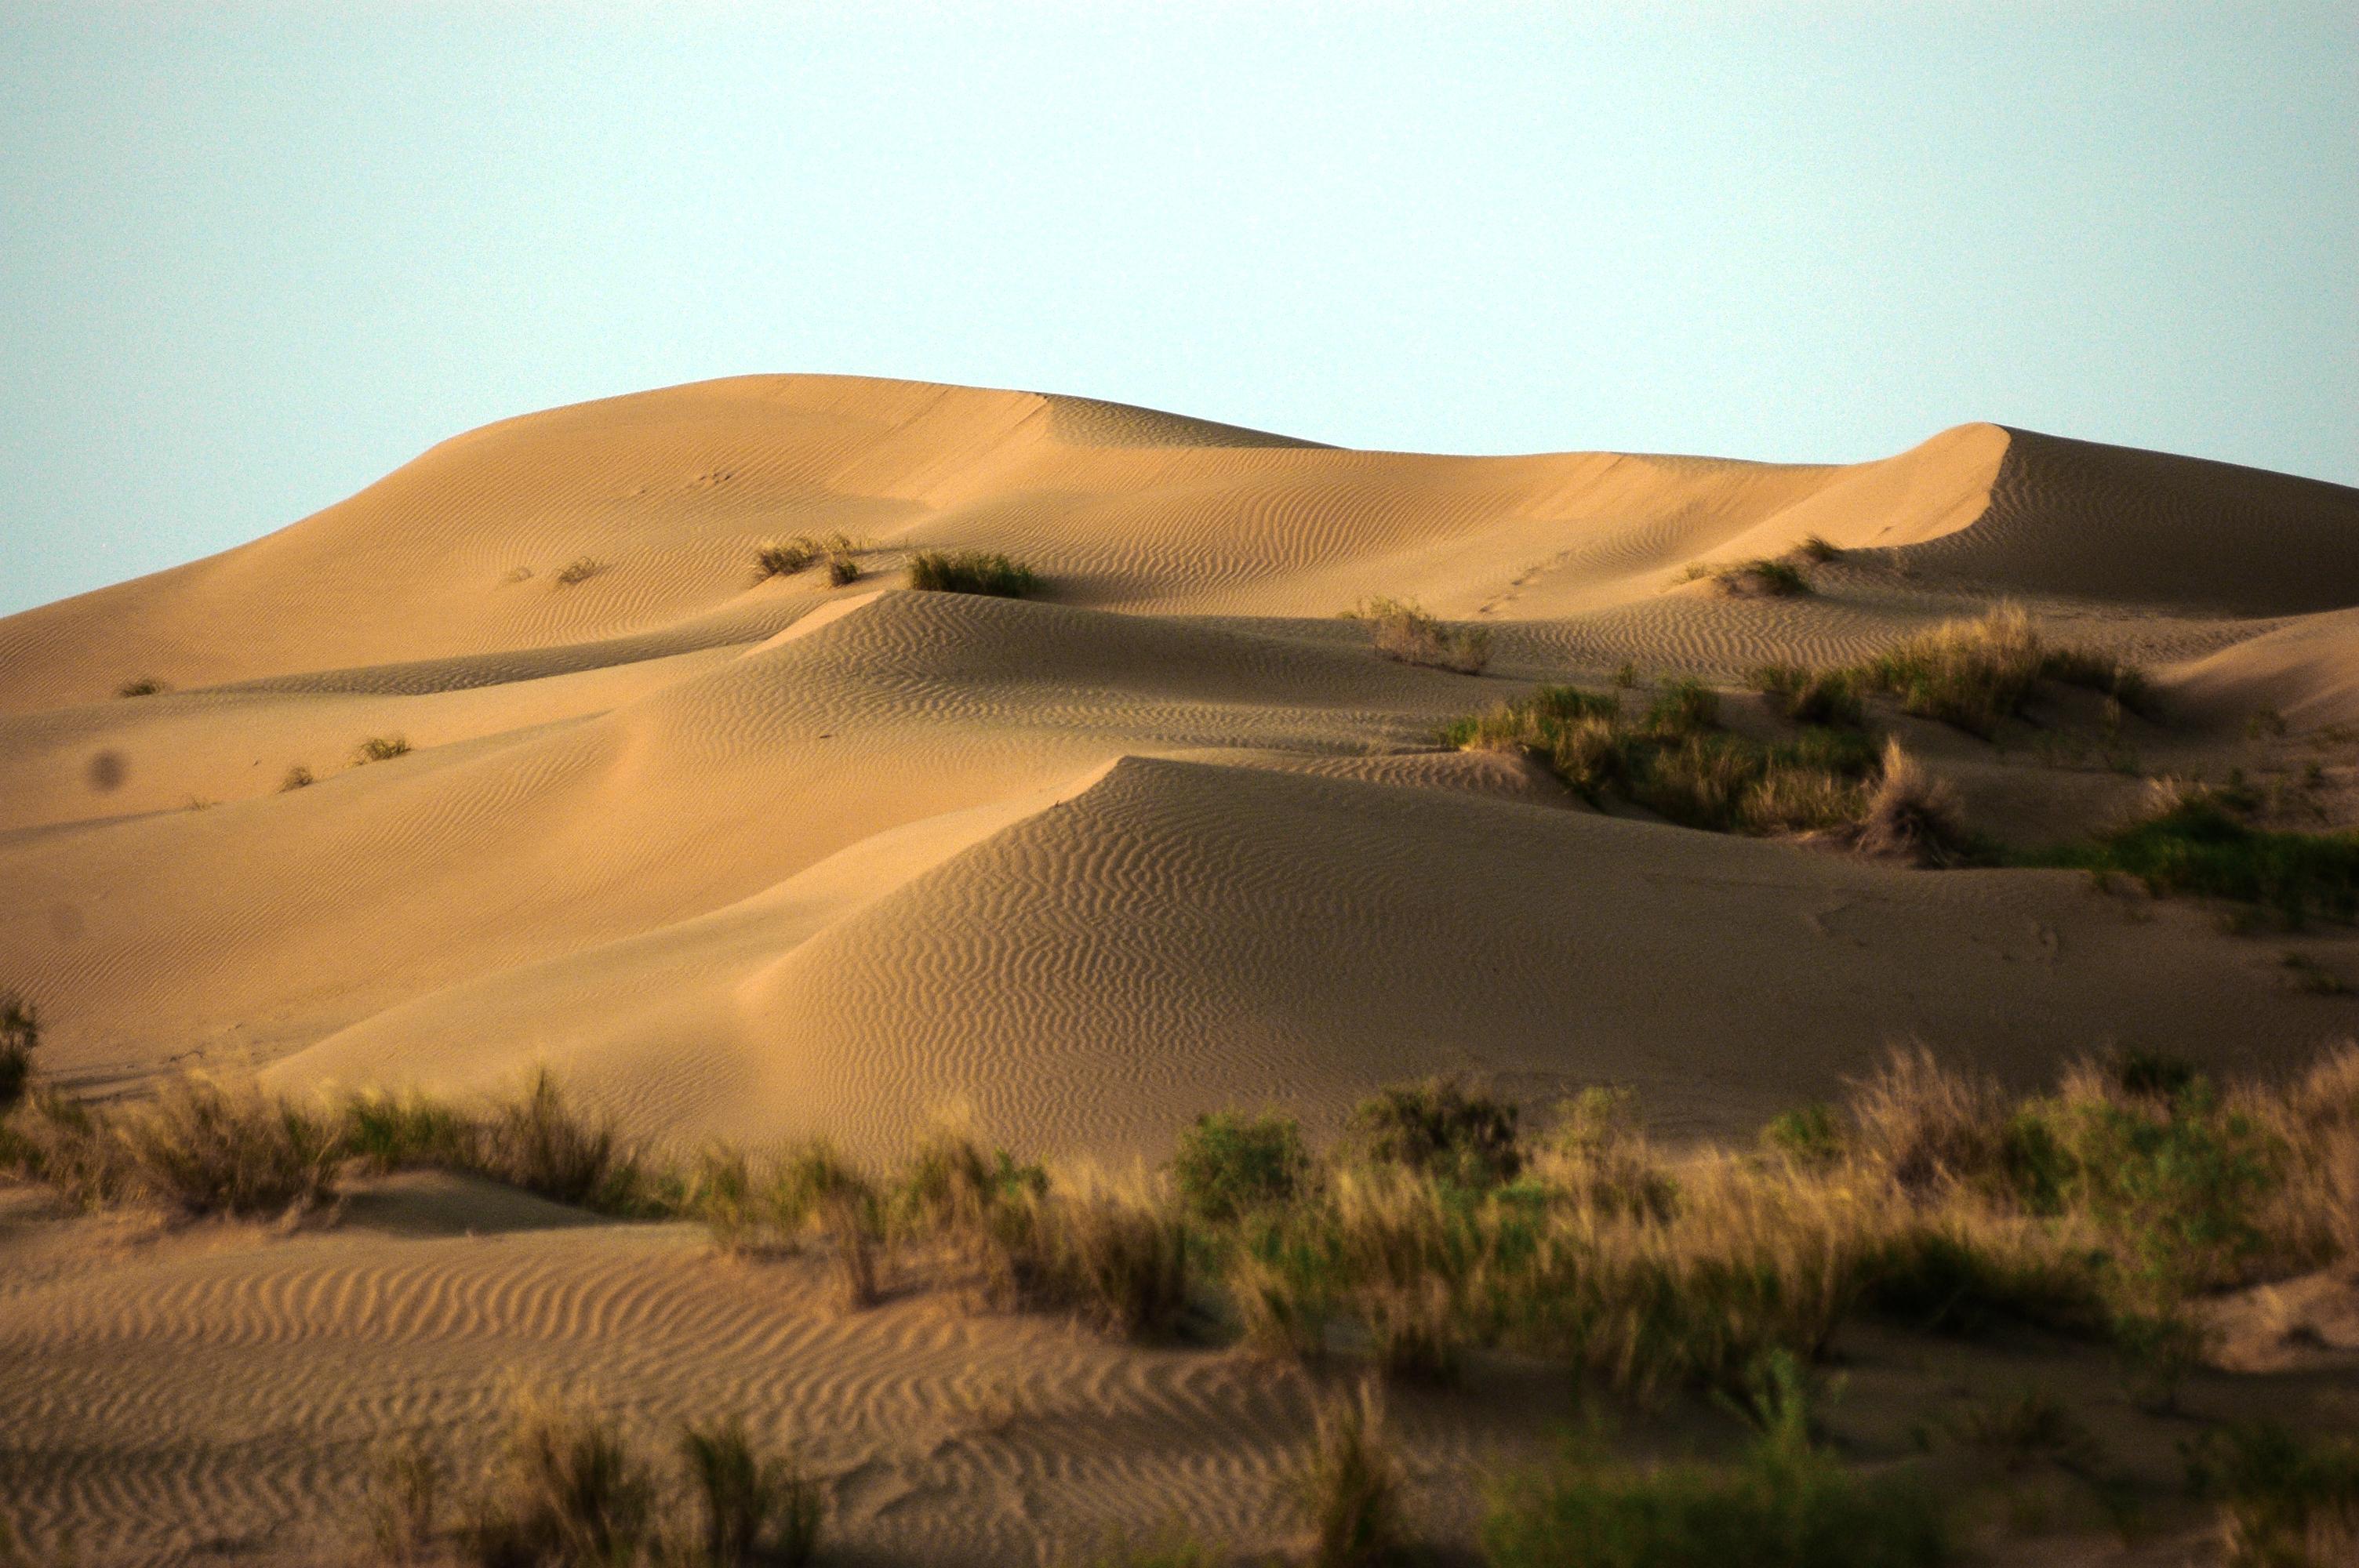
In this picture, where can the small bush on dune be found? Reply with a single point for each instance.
(971, 572)
(752, 1508)
(1910, 815)
(1828, 698)
(20, 1036)
(1786, 1505)
(1969, 674)
(838, 552)
(1764, 578)
(2285, 1501)
(206, 1147)
(69, 1147)
(580, 569)
(1683, 708)
(1816, 550)
(1436, 1129)
(566, 1491)
(1350, 1487)
(1405, 632)
(380, 749)
(1229, 1164)
(145, 686)
(391, 1132)
(297, 777)
(540, 1143)
(2198, 844)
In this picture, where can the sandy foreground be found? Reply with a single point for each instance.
(754, 859)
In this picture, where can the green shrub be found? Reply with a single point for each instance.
(971, 572)
(1828, 698)
(1768, 578)
(2199, 846)
(380, 749)
(1229, 1164)
(1436, 1129)
(20, 1036)
(754, 1507)
(1405, 632)
(2285, 1501)
(1784, 1505)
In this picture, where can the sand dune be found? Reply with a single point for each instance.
(757, 859)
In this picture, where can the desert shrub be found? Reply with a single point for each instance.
(2285, 1501)
(971, 572)
(402, 1495)
(1785, 1504)
(1531, 724)
(1923, 1126)
(1807, 1134)
(1815, 548)
(566, 1491)
(380, 749)
(393, 1132)
(786, 560)
(1349, 1486)
(20, 1036)
(580, 569)
(1598, 1160)
(1960, 1272)
(540, 1142)
(1436, 1129)
(67, 1147)
(951, 1183)
(145, 686)
(1969, 674)
(1406, 633)
(1119, 1265)
(1910, 815)
(2028, 1428)
(2197, 845)
(209, 1147)
(2313, 1216)
(752, 1508)
(1766, 577)
(1828, 698)
(296, 777)
(2126, 683)
(1229, 1164)
(1683, 708)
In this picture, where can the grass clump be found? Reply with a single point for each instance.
(580, 569)
(1816, 550)
(403, 1497)
(1350, 1487)
(2197, 842)
(1436, 1129)
(840, 553)
(380, 749)
(208, 1147)
(1976, 674)
(752, 1507)
(143, 686)
(1827, 699)
(1405, 632)
(20, 1036)
(566, 1491)
(540, 1142)
(1787, 1504)
(1910, 815)
(2284, 1501)
(971, 572)
(296, 777)
(1229, 1164)
(1766, 578)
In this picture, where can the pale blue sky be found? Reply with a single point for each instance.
(252, 257)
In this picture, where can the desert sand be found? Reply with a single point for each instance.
(753, 859)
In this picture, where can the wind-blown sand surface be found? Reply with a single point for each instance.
(763, 859)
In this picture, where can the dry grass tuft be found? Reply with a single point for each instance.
(1350, 1487)
(1911, 815)
(580, 569)
(1765, 578)
(752, 1508)
(210, 1146)
(145, 686)
(20, 1036)
(380, 749)
(838, 552)
(1405, 632)
(297, 777)
(565, 1490)
(972, 571)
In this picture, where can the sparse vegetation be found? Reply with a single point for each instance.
(1766, 578)
(580, 569)
(2197, 842)
(1975, 675)
(1815, 549)
(1785, 1504)
(1435, 1129)
(2284, 1501)
(840, 553)
(207, 1146)
(380, 749)
(296, 777)
(403, 1498)
(1350, 1487)
(1912, 816)
(20, 1036)
(971, 572)
(566, 1491)
(144, 685)
(1405, 632)
(1229, 1164)
(1828, 698)
(752, 1508)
